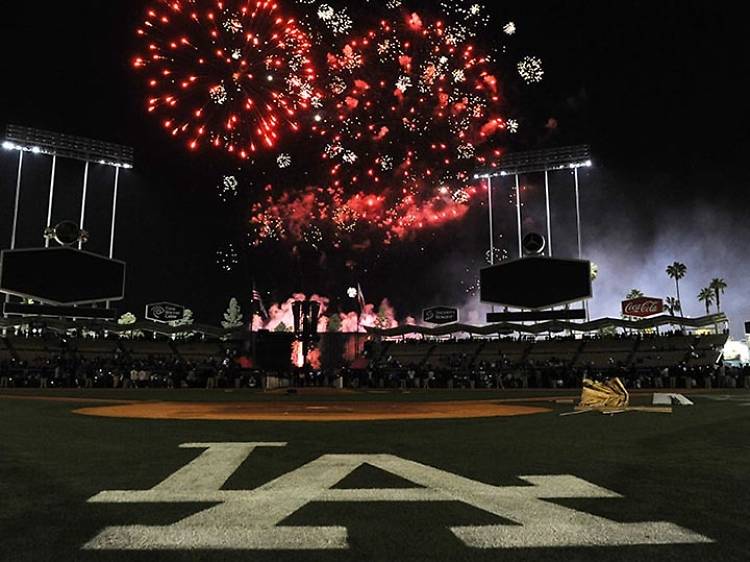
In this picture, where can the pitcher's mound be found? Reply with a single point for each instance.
(311, 411)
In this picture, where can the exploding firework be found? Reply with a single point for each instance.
(411, 115)
(531, 69)
(228, 188)
(233, 74)
(326, 21)
(227, 258)
(496, 255)
(417, 115)
(473, 15)
(391, 128)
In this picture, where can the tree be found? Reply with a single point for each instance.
(334, 323)
(677, 271)
(673, 305)
(718, 286)
(594, 271)
(127, 319)
(634, 294)
(282, 328)
(233, 316)
(186, 320)
(706, 296)
(383, 320)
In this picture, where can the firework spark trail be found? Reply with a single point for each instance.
(411, 113)
(234, 74)
(399, 107)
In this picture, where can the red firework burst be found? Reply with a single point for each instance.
(416, 109)
(235, 74)
(412, 112)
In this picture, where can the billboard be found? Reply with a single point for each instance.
(440, 315)
(164, 312)
(53, 311)
(643, 307)
(63, 275)
(536, 282)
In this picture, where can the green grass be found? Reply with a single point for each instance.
(691, 468)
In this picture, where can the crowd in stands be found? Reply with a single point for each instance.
(501, 375)
(122, 370)
(673, 360)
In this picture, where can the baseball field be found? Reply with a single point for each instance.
(131, 475)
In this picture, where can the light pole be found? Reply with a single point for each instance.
(578, 214)
(15, 208)
(59, 145)
(492, 220)
(549, 213)
(517, 164)
(84, 199)
(114, 219)
(353, 293)
(518, 212)
(17, 201)
(51, 197)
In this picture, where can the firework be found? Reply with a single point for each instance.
(411, 115)
(472, 15)
(227, 258)
(313, 236)
(327, 21)
(496, 256)
(417, 114)
(228, 188)
(393, 118)
(233, 74)
(531, 69)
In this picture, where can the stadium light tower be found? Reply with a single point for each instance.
(58, 145)
(516, 164)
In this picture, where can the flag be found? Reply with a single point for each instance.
(361, 297)
(258, 300)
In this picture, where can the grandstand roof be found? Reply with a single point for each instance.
(555, 326)
(449, 330)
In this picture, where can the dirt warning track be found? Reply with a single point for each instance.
(312, 411)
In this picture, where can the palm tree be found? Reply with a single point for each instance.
(718, 286)
(594, 271)
(634, 294)
(706, 296)
(677, 271)
(673, 305)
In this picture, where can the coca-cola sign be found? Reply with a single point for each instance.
(643, 307)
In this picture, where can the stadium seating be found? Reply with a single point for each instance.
(631, 351)
(469, 363)
(555, 351)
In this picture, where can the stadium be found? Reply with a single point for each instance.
(355, 281)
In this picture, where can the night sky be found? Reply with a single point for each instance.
(654, 87)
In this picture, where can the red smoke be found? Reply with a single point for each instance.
(382, 316)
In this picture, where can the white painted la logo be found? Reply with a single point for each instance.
(250, 520)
